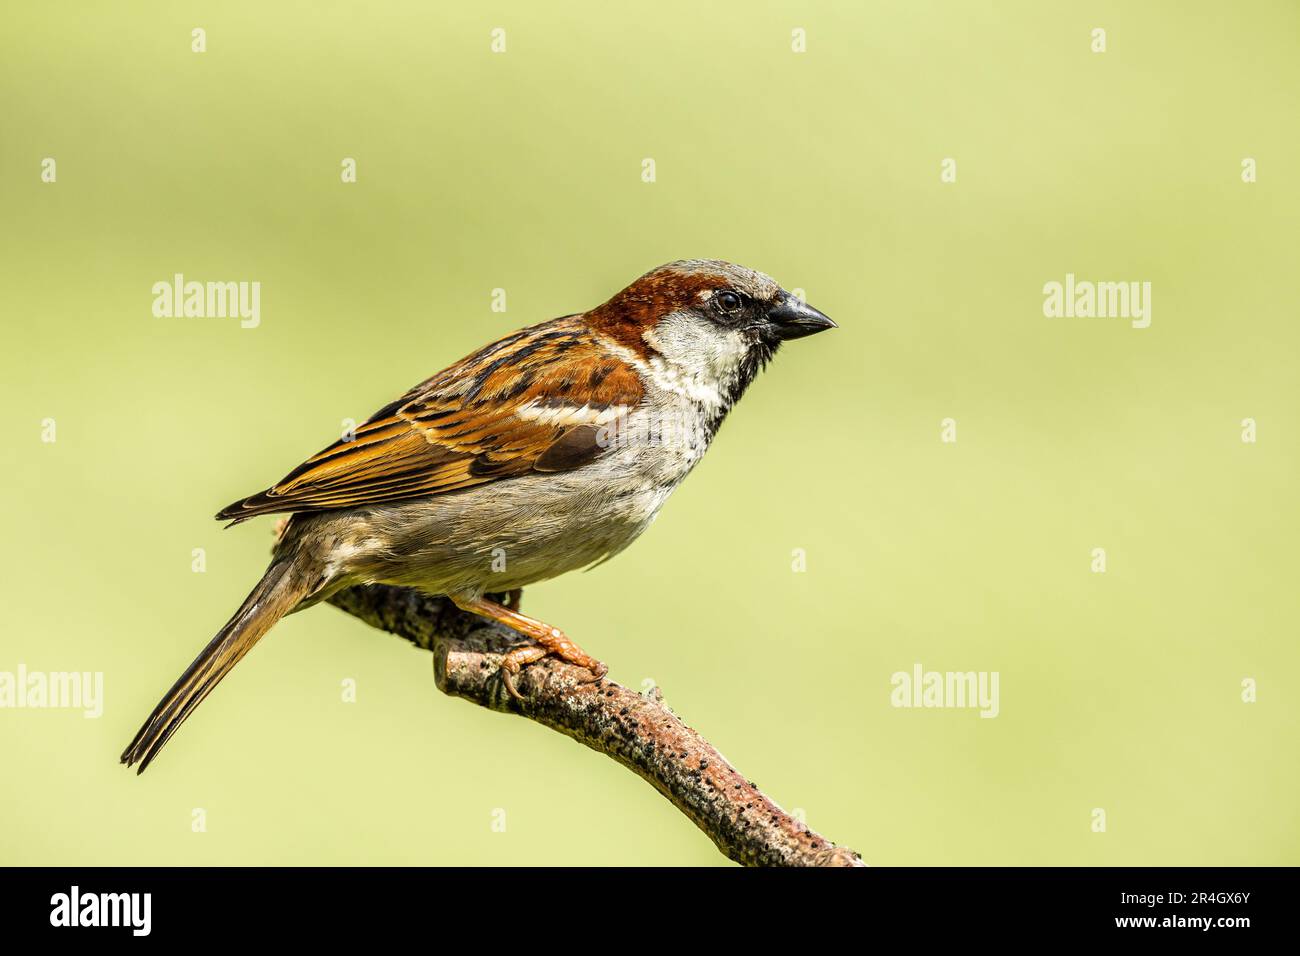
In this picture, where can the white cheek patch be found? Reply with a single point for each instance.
(730, 351)
(696, 357)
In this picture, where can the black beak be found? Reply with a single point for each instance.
(792, 318)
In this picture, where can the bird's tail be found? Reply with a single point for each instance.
(279, 592)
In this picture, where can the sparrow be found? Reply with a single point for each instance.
(546, 451)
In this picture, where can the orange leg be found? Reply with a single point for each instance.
(550, 639)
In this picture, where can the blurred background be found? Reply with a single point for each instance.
(522, 170)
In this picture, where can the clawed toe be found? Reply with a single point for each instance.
(508, 679)
(514, 662)
(550, 640)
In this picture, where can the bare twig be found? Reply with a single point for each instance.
(638, 731)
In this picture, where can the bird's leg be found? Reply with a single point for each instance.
(550, 639)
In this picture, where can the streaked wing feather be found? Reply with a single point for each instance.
(534, 400)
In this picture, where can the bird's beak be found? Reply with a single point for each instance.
(793, 318)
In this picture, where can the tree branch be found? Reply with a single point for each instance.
(638, 731)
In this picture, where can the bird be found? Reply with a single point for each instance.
(546, 451)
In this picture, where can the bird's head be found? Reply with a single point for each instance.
(707, 320)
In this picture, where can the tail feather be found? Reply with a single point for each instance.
(279, 591)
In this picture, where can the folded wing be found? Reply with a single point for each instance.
(547, 398)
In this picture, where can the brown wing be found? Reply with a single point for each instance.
(546, 398)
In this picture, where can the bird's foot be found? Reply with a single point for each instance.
(550, 640)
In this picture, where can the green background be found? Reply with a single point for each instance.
(522, 171)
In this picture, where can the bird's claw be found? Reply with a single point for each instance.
(508, 679)
(520, 657)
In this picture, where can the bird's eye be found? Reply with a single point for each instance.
(728, 301)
